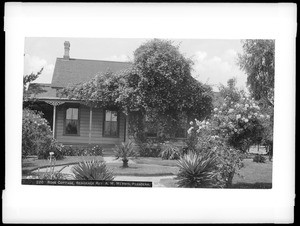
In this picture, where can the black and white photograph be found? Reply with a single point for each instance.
(176, 113)
(149, 113)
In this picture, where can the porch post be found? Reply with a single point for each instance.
(54, 120)
(90, 128)
(54, 104)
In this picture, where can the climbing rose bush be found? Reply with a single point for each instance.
(239, 123)
(232, 128)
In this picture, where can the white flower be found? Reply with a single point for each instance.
(238, 116)
(191, 123)
(268, 116)
(216, 109)
(262, 116)
(246, 105)
(51, 153)
(230, 110)
(220, 112)
(190, 130)
(246, 120)
(207, 123)
(235, 130)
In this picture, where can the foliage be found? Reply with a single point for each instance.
(259, 158)
(258, 62)
(37, 136)
(149, 149)
(92, 170)
(170, 151)
(35, 89)
(45, 147)
(125, 151)
(229, 132)
(198, 171)
(71, 150)
(240, 119)
(159, 81)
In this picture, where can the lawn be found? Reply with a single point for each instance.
(32, 163)
(142, 169)
(252, 175)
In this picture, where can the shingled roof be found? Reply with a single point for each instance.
(73, 71)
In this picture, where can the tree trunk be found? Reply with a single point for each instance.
(229, 180)
(125, 163)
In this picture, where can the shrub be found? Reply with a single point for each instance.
(82, 151)
(259, 159)
(198, 171)
(96, 151)
(50, 145)
(125, 151)
(149, 149)
(37, 136)
(170, 151)
(92, 170)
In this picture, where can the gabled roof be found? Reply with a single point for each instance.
(74, 71)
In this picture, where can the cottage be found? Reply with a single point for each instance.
(72, 121)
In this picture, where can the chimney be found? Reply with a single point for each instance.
(67, 50)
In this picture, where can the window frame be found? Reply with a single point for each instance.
(104, 121)
(65, 118)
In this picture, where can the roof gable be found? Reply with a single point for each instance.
(74, 71)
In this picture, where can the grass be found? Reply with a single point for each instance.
(32, 163)
(142, 169)
(252, 175)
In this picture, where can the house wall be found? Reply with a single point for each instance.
(97, 128)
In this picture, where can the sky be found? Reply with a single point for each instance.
(214, 59)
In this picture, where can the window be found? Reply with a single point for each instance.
(150, 128)
(110, 123)
(72, 121)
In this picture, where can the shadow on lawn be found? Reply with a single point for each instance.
(172, 183)
(252, 185)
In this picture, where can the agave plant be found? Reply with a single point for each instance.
(170, 151)
(198, 171)
(92, 170)
(125, 151)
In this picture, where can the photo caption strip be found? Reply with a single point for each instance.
(87, 183)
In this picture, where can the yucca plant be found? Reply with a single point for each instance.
(124, 152)
(198, 171)
(92, 170)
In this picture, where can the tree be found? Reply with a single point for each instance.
(258, 63)
(159, 83)
(27, 79)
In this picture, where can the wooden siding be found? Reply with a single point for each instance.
(97, 127)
